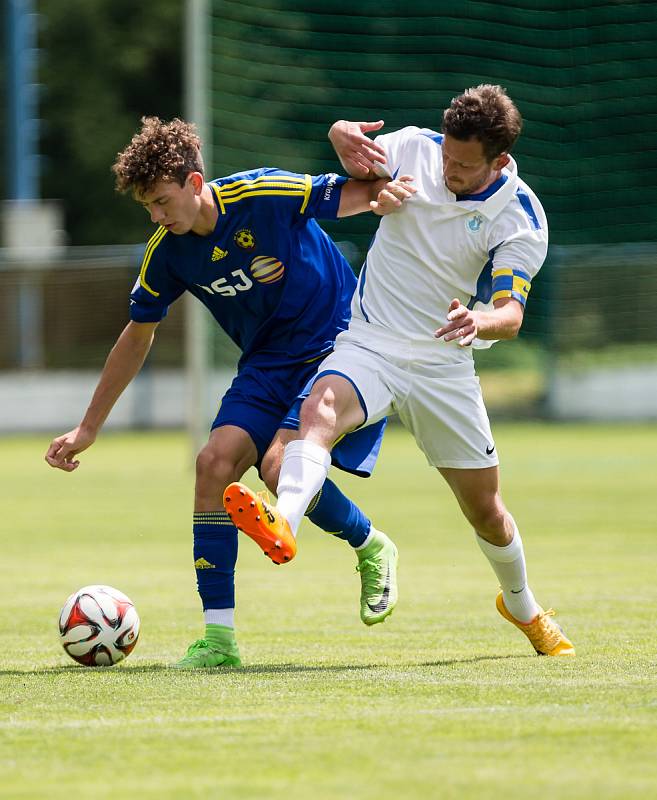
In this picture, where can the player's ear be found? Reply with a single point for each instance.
(501, 161)
(196, 180)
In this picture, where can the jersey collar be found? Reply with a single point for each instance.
(493, 199)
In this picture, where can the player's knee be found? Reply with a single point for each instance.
(324, 411)
(216, 468)
(318, 408)
(488, 519)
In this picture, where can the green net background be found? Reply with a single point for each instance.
(584, 75)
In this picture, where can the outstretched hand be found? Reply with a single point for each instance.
(393, 194)
(62, 451)
(357, 152)
(462, 324)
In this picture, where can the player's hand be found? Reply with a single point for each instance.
(462, 324)
(357, 153)
(392, 195)
(62, 451)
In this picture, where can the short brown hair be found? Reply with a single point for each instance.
(486, 113)
(160, 151)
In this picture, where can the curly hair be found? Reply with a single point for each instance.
(160, 151)
(486, 113)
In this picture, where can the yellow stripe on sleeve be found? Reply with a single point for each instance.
(276, 180)
(153, 242)
(290, 186)
(217, 194)
(306, 194)
(263, 192)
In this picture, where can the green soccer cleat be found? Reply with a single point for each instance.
(377, 564)
(218, 649)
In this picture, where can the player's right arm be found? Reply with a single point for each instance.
(358, 154)
(123, 363)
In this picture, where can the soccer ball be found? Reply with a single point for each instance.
(98, 626)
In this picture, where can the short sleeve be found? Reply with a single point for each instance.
(521, 237)
(155, 288)
(325, 196)
(290, 196)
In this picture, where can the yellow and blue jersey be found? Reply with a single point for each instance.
(268, 274)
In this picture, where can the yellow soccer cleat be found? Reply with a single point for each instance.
(543, 632)
(252, 514)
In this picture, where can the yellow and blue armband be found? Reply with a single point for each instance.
(511, 283)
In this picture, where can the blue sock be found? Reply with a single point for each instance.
(215, 554)
(335, 513)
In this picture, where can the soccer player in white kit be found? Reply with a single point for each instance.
(450, 271)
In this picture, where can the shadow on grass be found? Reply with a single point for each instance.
(452, 662)
(257, 669)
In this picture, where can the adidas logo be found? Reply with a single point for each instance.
(201, 563)
(218, 254)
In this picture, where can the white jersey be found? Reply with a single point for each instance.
(440, 246)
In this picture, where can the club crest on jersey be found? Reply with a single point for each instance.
(245, 239)
(218, 253)
(266, 269)
(474, 222)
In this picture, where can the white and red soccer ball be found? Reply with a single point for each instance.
(98, 626)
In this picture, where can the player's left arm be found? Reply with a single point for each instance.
(382, 196)
(503, 321)
(523, 239)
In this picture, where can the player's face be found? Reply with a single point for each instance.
(466, 169)
(174, 207)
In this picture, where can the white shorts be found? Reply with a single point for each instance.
(436, 395)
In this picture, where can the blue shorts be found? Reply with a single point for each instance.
(260, 400)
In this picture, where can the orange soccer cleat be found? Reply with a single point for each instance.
(251, 513)
(547, 638)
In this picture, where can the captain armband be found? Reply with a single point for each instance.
(511, 283)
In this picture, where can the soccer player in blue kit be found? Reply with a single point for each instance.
(249, 248)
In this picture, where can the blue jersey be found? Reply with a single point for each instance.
(269, 275)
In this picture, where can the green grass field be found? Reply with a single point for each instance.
(445, 700)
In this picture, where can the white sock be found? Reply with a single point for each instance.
(368, 539)
(303, 472)
(509, 565)
(371, 536)
(220, 616)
